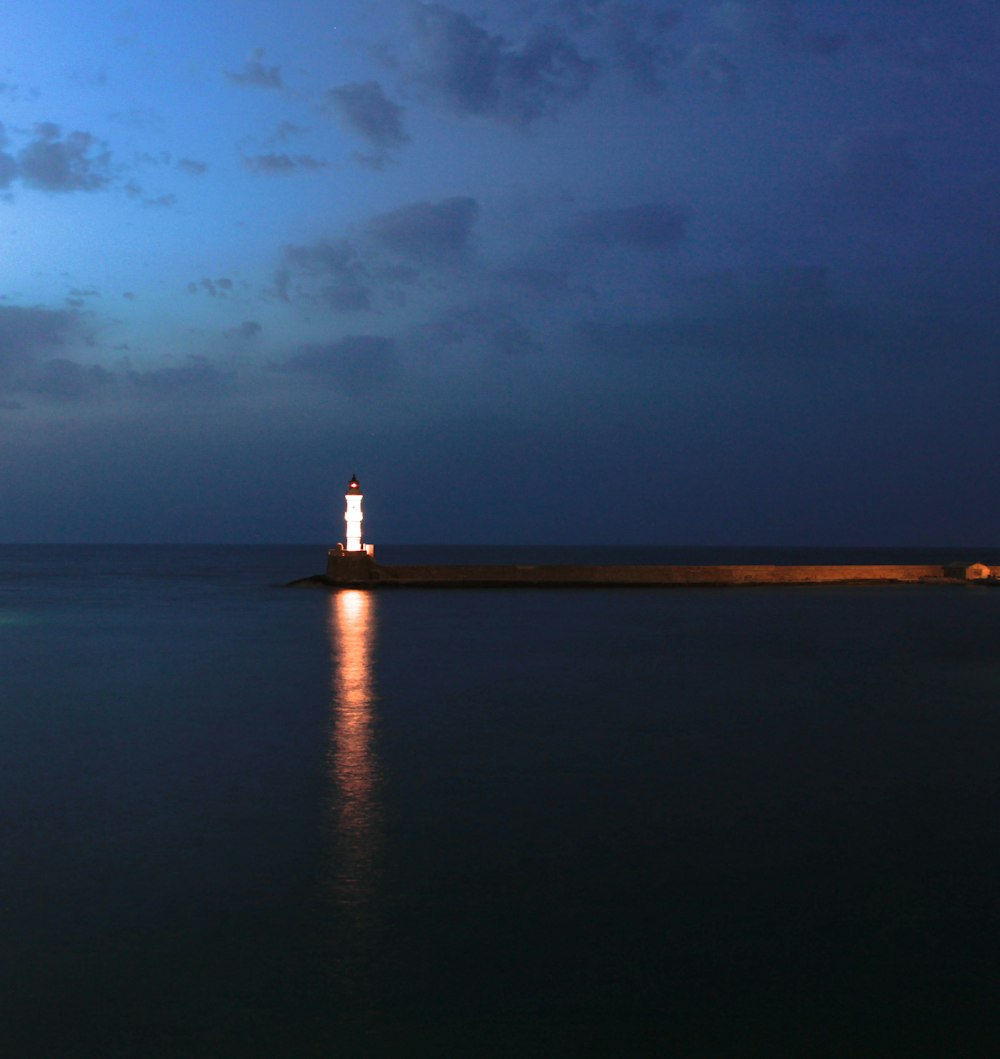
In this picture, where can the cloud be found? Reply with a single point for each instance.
(381, 259)
(484, 328)
(255, 74)
(781, 316)
(459, 64)
(281, 164)
(650, 226)
(246, 332)
(78, 162)
(788, 313)
(432, 232)
(138, 118)
(778, 22)
(355, 365)
(8, 169)
(192, 167)
(214, 288)
(8, 165)
(25, 333)
(363, 108)
(29, 337)
(376, 160)
(196, 379)
(65, 379)
(546, 284)
(285, 131)
(636, 39)
(329, 272)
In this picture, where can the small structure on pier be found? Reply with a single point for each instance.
(969, 571)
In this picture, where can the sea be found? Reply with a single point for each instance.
(244, 819)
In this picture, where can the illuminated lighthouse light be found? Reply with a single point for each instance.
(353, 515)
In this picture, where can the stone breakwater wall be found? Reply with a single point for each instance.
(653, 575)
(364, 571)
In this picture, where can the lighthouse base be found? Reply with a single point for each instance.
(350, 568)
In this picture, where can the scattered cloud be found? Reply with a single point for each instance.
(433, 232)
(286, 130)
(355, 365)
(32, 360)
(364, 108)
(328, 272)
(8, 165)
(197, 378)
(282, 164)
(650, 226)
(26, 333)
(246, 332)
(215, 288)
(786, 316)
(64, 379)
(191, 167)
(637, 40)
(488, 329)
(8, 169)
(547, 284)
(76, 162)
(255, 74)
(459, 64)
(138, 118)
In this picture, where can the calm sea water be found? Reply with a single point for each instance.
(245, 820)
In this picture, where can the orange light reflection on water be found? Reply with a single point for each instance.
(353, 763)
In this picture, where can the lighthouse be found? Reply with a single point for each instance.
(352, 563)
(353, 515)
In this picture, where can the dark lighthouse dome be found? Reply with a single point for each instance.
(354, 486)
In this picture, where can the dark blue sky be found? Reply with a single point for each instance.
(578, 271)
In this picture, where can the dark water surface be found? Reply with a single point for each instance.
(244, 820)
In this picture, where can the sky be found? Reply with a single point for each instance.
(539, 271)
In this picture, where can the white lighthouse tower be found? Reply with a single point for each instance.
(353, 515)
(352, 563)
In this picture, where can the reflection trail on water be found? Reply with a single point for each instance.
(353, 764)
